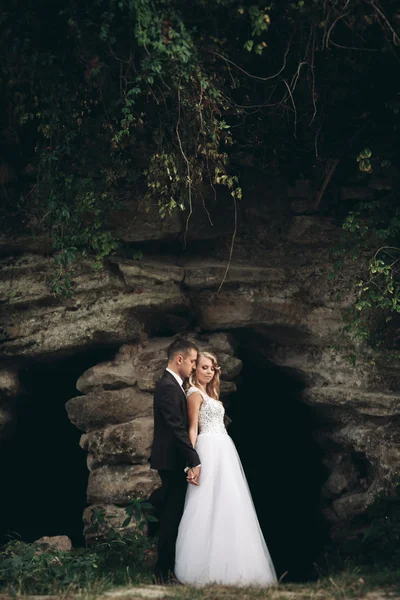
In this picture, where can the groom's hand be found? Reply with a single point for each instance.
(193, 475)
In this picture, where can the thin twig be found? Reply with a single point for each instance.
(325, 183)
(200, 111)
(296, 76)
(313, 92)
(211, 181)
(328, 35)
(205, 208)
(316, 141)
(166, 85)
(354, 47)
(383, 16)
(231, 249)
(231, 76)
(256, 76)
(123, 60)
(385, 248)
(294, 107)
(187, 166)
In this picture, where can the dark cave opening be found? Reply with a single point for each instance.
(273, 431)
(44, 474)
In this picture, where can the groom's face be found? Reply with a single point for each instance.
(187, 364)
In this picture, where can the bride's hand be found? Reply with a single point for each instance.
(193, 475)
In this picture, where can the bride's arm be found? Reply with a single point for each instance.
(194, 401)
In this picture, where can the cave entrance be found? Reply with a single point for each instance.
(44, 475)
(273, 431)
(44, 478)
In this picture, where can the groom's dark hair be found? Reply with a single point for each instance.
(180, 346)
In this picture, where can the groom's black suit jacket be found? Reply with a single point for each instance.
(172, 448)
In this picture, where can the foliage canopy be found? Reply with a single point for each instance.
(158, 95)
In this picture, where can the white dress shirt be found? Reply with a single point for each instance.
(177, 377)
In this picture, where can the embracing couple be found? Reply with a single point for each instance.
(209, 531)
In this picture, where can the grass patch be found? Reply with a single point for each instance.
(351, 583)
(79, 576)
(114, 569)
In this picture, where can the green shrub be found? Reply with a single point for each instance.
(118, 557)
(25, 569)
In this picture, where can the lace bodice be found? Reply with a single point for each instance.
(211, 413)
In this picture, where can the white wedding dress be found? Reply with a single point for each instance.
(219, 538)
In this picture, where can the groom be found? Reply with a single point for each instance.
(172, 453)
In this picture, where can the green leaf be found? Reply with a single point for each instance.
(152, 519)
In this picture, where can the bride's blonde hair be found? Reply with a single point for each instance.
(213, 386)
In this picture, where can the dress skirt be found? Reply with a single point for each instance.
(219, 538)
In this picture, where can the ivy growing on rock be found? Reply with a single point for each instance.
(107, 94)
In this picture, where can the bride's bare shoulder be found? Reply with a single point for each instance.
(195, 394)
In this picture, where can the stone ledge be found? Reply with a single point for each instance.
(156, 271)
(210, 274)
(377, 404)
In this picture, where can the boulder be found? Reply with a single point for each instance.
(110, 375)
(140, 364)
(128, 443)
(121, 483)
(101, 408)
(62, 543)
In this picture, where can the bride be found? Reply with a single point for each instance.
(219, 538)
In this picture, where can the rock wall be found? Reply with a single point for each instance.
(277, 286)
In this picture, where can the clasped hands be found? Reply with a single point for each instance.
(192, 475)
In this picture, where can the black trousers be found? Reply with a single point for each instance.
(169, 511)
